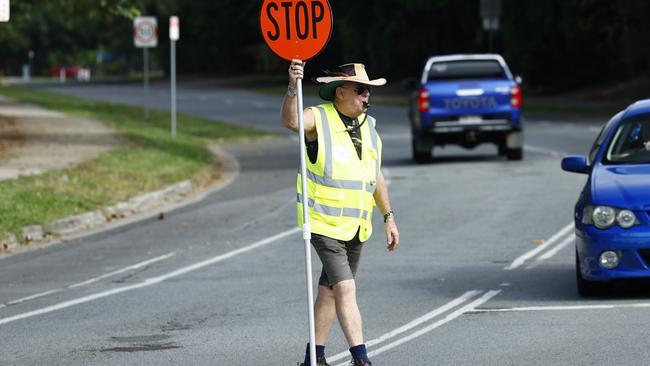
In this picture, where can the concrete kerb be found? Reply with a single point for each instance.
(141, 207)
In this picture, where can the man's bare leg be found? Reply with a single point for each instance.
(347, 311)
(324, 311)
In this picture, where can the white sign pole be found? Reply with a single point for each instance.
(4, 10)
(145, 35)
(173, 37)
(306, 227)
(145, 61)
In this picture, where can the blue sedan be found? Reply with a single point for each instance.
(612, 215)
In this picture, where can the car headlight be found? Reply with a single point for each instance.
(604, 217)
(625, 219)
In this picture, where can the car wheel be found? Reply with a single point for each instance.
(515, 154)
(586, 288)
(422, 152)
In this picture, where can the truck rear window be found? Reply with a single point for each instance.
(460, 70)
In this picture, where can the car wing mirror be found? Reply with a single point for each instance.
(518, 80)
(575, 164)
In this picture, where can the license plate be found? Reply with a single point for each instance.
(470, 119)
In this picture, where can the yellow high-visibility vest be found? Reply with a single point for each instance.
(340, 186)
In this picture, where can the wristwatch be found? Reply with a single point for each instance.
(389, 216)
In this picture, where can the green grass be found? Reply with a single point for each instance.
(150, 160)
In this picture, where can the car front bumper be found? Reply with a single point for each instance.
(632, 246)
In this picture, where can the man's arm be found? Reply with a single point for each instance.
(382, 200)
(289, 112)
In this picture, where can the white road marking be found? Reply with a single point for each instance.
(149, 281)
(426, 317)
(541, 150)
(553, 251)
(564, 308)
(125, 269)
(51, 292)
(34, 297)
(467, 308)
(523, 258)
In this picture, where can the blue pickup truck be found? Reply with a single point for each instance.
(467, 100)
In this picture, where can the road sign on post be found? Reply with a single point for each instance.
(490, 13)
(174, 34)
(296, 29)
(4, 10)
(145, 32)
(299, 29)
(145, 36)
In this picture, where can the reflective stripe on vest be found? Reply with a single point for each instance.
(334, 211)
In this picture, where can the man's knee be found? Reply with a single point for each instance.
(344, 289)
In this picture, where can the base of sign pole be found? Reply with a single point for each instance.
(310, 301)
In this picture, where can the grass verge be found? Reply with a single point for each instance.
(150, 160)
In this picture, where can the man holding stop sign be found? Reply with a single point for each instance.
(344, 182)
(340, 178)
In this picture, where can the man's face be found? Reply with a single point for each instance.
(353, 97)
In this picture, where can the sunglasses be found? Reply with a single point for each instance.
(361, 89)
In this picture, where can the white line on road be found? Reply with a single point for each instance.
(125, 269)
(553, 251)
(523, 258)
(34, 297)
(51, 292)
(469, 307)
(542, 150)
(426, 317)
(149, 281)
(562, 308)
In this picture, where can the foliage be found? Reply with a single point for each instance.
(578, 42)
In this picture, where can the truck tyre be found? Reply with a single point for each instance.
(421, 151)
(515, 154)
(502, 149)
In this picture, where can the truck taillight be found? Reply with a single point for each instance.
(515, 97)
(423, 100)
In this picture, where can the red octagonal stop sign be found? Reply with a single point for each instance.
(297, 29)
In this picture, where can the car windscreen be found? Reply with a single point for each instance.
(466, 69)
(630, 143)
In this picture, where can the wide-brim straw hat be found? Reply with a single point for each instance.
(355, 73)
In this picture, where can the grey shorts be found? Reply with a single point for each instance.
(340, 258)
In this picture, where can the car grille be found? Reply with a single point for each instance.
(645, 254)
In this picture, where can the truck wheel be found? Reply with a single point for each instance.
(515, 154)
(421, 152)
(502, 149)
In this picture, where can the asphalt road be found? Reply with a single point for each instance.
(221, 282)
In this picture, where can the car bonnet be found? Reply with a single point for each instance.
(624, 186)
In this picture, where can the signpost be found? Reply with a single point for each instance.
(145, 36)
(174, 35)
(490, 13)
(299, 29)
